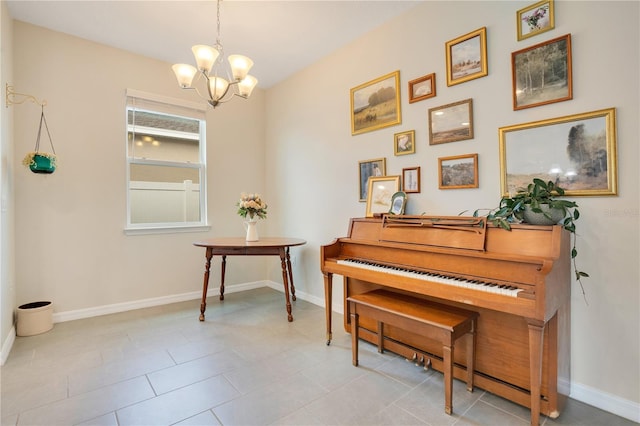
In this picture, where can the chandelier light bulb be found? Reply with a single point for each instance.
(184, 73)
(205, 57)
(240, 66)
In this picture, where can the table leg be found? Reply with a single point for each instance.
(285, 281)
(328, 290)
(205, 284)
(222, 269)
(293, 289)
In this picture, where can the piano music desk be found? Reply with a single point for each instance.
(240, 247)
(441, 323)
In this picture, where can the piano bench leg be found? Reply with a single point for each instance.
(380, 337)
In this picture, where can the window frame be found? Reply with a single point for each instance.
(142, 101)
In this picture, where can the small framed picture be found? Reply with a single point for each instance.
(404, 143)
(422, 88)
(411, 179)
(381, 190)
(460, 171)
(398, 203)
(541, 74)
(467, 57)
(368, 168)
(535, 19)
(451, 122)
(376, 104)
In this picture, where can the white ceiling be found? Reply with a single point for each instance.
(281, 37)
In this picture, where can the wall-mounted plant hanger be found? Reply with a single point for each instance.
(38, 161)
(10, 98)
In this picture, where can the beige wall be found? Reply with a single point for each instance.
(70, 246)
(311, 152)
(297, 150)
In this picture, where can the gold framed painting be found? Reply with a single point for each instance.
(376, 104)
(466, 57)
(460, 171)
(366, 169)
(404, 143)
(577, 152)
(422, 88)
(380, 193)
(535, 19)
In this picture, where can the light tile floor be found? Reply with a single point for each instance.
(245, 365)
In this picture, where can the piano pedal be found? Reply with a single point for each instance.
(413, 358)
(427, 364)
(421, 361)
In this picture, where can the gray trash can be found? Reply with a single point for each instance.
(34, 318)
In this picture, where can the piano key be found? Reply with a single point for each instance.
(479, 285)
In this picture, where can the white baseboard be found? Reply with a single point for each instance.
(605, 401)
(591, 396)
(147, 303)
(7, 345)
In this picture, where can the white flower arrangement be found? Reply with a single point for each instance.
(252, 205)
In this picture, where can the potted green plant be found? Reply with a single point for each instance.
(538, 204)
(40, 162)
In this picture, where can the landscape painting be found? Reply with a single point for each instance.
(460, 171)
(541, 74)
(466, 57)
(577, 153)
(451, 122)
(376, 104)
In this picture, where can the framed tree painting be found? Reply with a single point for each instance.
(541, 74)
(576, 152)
(376, 104)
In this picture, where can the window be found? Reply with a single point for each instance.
(166, 164)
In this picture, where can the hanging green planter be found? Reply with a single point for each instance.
(41, 162)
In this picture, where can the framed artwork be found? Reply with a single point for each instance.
(451, 122)
(577, 152)
(535, 19)
(541, 74)
(398, 203)
(368, 168)
(411, 179)
(376, 104)
(422, 88)
(404, 143)
(467, 57)
(460, 171)
(380, 193)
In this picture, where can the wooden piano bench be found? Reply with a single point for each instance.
(441, 323)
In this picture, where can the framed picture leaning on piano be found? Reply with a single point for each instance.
(380, 194)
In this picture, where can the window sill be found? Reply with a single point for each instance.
(166, 229)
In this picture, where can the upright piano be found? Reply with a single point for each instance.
(518, 281)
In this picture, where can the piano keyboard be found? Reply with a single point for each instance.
(488, 287)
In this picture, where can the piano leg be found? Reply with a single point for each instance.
(536, 335)
(328, 291)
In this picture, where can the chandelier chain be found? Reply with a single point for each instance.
(218, 41)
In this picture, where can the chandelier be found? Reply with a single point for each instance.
(208, 60)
